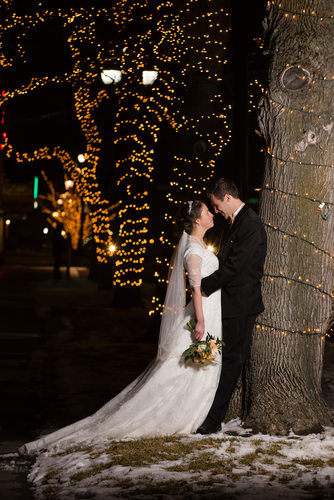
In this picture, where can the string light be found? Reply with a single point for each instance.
(210, 133)
(292, 160)
(301, 238)
(255, 86)
(293, 14)
(291, 109)
(295, 194)
(3, 138)
(178, 55)
(300, 278)
(85, 178)
(284, 331)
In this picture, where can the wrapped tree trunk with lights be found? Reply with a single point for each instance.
(297, 207)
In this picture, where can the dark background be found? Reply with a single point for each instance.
(46, 116)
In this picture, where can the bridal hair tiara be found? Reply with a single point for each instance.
(190, 203)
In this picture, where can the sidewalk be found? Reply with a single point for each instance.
(62, 355)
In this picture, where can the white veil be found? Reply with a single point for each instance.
(175, 299)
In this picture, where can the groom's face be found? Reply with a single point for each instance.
(222, 207)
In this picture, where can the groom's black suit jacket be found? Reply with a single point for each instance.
(241, 255)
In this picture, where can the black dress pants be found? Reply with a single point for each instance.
(237, 335)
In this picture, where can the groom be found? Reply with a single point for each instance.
(242, 253)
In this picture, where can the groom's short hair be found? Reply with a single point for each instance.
(221, 187)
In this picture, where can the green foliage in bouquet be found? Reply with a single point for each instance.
(205, 351)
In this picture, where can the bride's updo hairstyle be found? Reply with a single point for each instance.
(189, 212)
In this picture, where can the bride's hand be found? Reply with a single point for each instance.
(199, 330)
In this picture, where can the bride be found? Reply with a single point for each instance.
(169, 397)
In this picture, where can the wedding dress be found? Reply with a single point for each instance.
(169, 397)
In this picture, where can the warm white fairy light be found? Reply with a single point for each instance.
(306, 242)
(162, 104)
(202, 55)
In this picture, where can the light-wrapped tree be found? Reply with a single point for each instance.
(66, 209)
(297, 205)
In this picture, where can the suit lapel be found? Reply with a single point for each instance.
(229, 231)
(239, 217)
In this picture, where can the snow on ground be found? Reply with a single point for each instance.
(231, 464)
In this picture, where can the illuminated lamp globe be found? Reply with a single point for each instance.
(112, 248)
(149, 77)
(81, 158)
(109, 76)
(45, 230)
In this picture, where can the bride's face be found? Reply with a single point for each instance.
(206, 218)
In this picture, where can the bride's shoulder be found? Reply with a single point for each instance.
(194, 246)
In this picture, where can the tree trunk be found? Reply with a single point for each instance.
(296, 118)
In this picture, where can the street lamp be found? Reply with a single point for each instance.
(149, 77)
(81, 158)
(109, 76)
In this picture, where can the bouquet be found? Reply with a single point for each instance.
(205, 351)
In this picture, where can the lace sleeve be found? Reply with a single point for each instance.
(193, 265)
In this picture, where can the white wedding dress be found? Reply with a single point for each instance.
(169, 397)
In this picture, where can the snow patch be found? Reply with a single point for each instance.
(248, 464)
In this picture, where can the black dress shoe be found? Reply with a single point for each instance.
(208, 428)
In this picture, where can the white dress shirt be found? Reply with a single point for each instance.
(237, 211)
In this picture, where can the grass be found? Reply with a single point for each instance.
(314, 463)
(52, 474)
(51, 493)
(144, 452)
(209, 465)
(248, 459)
(268, 460)
(274, 449)
(93, 471)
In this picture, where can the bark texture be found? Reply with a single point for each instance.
(296, 119)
